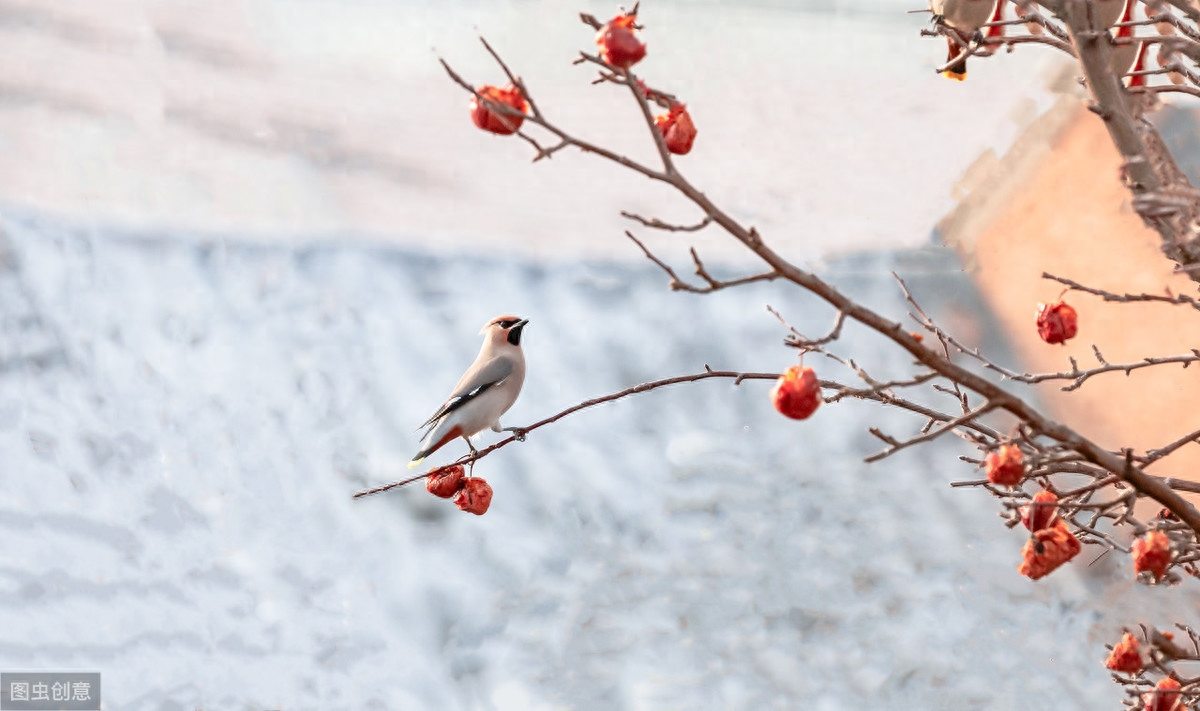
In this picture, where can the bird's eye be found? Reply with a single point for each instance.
(507, 323)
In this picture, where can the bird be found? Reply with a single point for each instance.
(1109, 12)
(1130, 55)
(966, 17)
(484, 393)
(994, 30)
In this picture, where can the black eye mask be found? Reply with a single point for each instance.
(514, 335)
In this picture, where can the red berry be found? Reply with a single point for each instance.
(1165, 697)
(797, 394)
(677, 129)
(445, 481)
(1153, 553)
(1125, 657)
(475, 496)
(1005, 466)
(1041, 513)
(618, 45)
(1056, 323)
(495, 121)
(1047, 549)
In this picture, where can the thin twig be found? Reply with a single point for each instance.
(660, 225)
(1123, 298)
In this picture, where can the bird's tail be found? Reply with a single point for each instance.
(442, 433)
(958, 70)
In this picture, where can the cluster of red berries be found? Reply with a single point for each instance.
(471, 494)
(1127, 657)
(620, 48)
(1050, 543)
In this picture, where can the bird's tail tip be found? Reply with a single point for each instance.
(416, 461)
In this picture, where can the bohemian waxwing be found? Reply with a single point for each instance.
(1124, 57)
(1108, 13)
(993, 31)
(965, 16)
(484, 393)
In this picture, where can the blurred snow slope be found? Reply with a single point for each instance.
(183, 420)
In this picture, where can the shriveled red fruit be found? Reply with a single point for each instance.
(1166, 696)
(1126, 656)
(445, 481)
(797, 394)
(1057, 322)
(1005, 466)
(677, 129)
(1152, 552)
(1041, 513)
(1047, 549)
(475, 496)
(619, 46)
(495, 121)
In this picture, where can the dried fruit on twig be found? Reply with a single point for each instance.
(1126, 656)
(677, 129)
(1047, 549)
(475, 496)
(445, 481)
(619, 46)
(1167, 514)
(1166, 696)
(1006, 466)
(797, 394)
(1057, 322)
(1041, 513)
(496, 121)
(1153, 553)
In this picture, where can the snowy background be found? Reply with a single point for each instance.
(245, 250)
(184, 419)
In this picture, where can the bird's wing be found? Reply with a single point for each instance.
(473, 385)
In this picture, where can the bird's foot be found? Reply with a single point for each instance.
(518, 432)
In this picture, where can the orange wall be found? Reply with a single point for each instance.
(1072, 217)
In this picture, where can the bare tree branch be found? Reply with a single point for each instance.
(658, 224)
(896, 446)
(1124, 298)
(677, 284)
(1147, 163)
